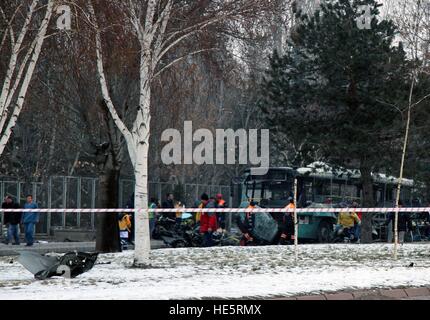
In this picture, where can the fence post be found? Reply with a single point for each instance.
(18, 191)
(48, 223)
(93, 204)
(296, 225)
(78, 201)
(63, 222)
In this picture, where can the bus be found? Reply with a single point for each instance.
(318, 185)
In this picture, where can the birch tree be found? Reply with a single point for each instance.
(159, 26)
(412, 17)
(23, 55)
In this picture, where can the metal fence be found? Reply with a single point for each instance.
(82, 192)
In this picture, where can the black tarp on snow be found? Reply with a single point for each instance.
(69, 265)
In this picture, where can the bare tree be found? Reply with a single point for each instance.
(23, 56)
(159, 26)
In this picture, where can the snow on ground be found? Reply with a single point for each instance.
(229, 272)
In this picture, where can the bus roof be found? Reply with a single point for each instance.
(324, 171)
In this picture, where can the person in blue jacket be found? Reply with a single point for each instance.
(29, 219)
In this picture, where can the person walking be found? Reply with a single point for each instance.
(11, 220)
(29, 219)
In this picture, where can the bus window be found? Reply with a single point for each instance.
(308, 191)
(389, 194)
(322, 190)
(278, 193)
(337, 189)
(254, 191)
(350, 191)
(406, 195)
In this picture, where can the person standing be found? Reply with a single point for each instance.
(287, 225)
(404, 224)
(357, 226)
(246, 226)
(178, 214)
(152, 215)
(169, 204)
(29, 219)
(130, 205)
(11, 220)
(220, 203)
(208, 221)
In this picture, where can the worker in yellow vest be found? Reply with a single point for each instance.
(125, 227)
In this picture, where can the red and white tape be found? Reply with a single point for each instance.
(226, 210)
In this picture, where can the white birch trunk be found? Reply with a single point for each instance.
(138, 139)
(141, 131)
(28, 75)
(141, 219)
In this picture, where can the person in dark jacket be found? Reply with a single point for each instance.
(29, 219)
(169, 204)
(246, 226)
(220, 203)
(404, 223)
(287, 226)
(208, 221)
(11, 220)
(285, 222)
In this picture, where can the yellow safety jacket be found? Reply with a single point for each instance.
(125, 223)
(348, 219)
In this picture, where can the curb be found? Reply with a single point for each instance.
(371, 294)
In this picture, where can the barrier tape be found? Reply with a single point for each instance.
(225, 210)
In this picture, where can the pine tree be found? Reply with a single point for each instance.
(337, 87)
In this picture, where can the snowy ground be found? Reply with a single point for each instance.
(229, 272)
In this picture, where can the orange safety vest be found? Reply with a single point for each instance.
(290, 206)
(248, 214)
(178, 213)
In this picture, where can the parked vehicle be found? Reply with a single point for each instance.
(318, 184)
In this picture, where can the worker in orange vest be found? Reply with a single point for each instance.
(287, 224)
(247, 225)
(220, 203)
